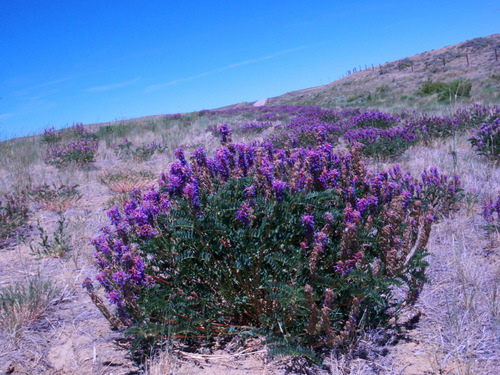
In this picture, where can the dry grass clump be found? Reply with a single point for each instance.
(23, 303)
(125, 181)
(57, 198)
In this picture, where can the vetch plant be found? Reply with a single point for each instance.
(301, 245)
(50, 136)
(57, 246)
(491, 213)
(486, 140)
(382, 143)
(78, 151)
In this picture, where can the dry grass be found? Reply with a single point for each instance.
(460, 328)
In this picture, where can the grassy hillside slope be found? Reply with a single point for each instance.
(395, 85)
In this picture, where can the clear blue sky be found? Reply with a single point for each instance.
(65, 61)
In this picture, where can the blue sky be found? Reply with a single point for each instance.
(65, 61)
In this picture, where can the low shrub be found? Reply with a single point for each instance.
(145, 152)
(56, 245)
(382, 143)
(456, 89)
(77, 151)
(303, 246)
(429, 87)
(124, 150)
(486, 140)
(491, 208)
(447, 91)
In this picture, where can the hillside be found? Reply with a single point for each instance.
(395, 85)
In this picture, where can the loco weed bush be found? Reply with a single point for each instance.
(301, 245)
(491, 209)
(51, 135)
(78, 151)
(382, 143)
(486, 140)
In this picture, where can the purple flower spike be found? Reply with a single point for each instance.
(279, 188)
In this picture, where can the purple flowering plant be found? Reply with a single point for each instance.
(298, 240)
(491, 213)
(76, 146)
(486, 140)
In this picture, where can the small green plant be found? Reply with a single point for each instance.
(23, 303)
(459, 88)
(55, 198)
(57, 246)
(447, 91)
(429, 87)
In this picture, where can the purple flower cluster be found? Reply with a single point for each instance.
(253, 127)
(490, 209)
(486, 139)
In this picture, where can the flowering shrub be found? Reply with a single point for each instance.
(491, 209)
(486, 139)
(253, 127)
(382, 143)
(432, 127)
(79, 130)
(301, 245)
(50, 135)
(306, 130)
(475, 115)
(375, 119)
(77, 151)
